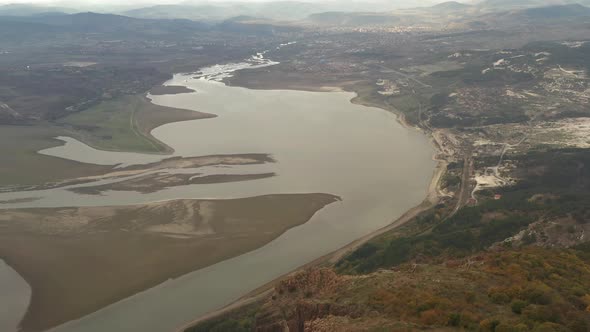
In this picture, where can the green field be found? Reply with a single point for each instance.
(124, 124)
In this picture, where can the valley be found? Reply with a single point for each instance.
(404, 169)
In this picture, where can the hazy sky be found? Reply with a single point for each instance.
(93, 2)
(78, 3)
(82, 2)
(115, 6)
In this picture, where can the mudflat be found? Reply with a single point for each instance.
(78, 260)
(125, 125)
(22, 165)
(154, 176)
(150, 183)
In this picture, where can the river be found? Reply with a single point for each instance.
(15, 294)
(321, 142)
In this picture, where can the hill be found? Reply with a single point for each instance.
(558, 11)
(352, 19)
(500, 5)
(450, 6)
(28, 10)
(286, 10)
(554, 15)
(490, 292)
(79, 23)
(208, 12)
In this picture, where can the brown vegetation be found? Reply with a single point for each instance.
(530, 289)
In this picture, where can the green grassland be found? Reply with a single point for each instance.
(124, 124)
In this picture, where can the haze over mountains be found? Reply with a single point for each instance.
(280, 15)
(281, 10)
(212, 9)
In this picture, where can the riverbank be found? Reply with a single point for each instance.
(432, 198)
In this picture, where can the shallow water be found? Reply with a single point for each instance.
(322, 143)
(14, 294)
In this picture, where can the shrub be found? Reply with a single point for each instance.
(488, 325)
(454, 319)
(432, 317)
(499, 298)
(539, 313)
(520, 328)
(529, 238)
(517, 306)
(578, 324)
(504, 327)
(550, 327)
(538, 294)
(364, 251)
(499, 295)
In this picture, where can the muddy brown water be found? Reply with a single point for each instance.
(322, 144)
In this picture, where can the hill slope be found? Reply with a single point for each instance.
(451, 6)
(28, 10)
(561, 11)
(83, 23)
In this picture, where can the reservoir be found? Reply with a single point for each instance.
(322, 143)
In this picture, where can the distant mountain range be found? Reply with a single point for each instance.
(275, 10)
(27, 10)
(218, 11)
(555, 14)
(451, 5)
(101, 22)
(287, 10)
(520, 4)
(558, 11)
(119, 27)
(39, 27)
(190, 17)
(353, 19)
